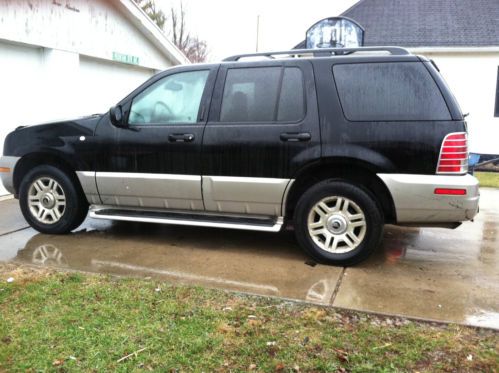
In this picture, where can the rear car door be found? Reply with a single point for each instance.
(263, 126)
(155, 161)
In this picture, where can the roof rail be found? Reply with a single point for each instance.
(323, 52)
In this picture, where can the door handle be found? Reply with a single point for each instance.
(295, 136)
(181, 137)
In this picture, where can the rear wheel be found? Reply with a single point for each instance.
(338, 223)
(50, 201)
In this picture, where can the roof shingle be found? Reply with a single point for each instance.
(428, 23)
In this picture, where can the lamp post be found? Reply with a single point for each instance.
(257, 31)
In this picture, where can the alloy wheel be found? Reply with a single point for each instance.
(46, 200)
(337, 224)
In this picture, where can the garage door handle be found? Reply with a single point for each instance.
(181, 137)
(302, 136)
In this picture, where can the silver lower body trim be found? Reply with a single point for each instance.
(8, 177)
(200, 220)
(416, 202)
(167, 191)
(244, 195)
(220, 194)
(89, 186)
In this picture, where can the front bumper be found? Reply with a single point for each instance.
(416, 202)
(8, 163)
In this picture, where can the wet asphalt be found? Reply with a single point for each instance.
(429, 273)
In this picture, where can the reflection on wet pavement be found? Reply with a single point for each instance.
(260, 263)
(448, 275)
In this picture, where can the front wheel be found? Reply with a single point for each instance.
(50, 201)
(338, 223)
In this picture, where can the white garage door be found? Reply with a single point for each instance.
(104, 83)
(20, 88)
(28, 96)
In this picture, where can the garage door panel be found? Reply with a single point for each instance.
(104, 83)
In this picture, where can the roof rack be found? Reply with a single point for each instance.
(323, 52)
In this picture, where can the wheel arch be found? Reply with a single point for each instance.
(356, 171)
(31, 160)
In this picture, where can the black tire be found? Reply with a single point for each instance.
(76, 206)
(372, 230)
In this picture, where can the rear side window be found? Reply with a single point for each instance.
(291, 100)
(389, 92)
(263, 94)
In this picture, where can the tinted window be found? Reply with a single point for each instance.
(291, 100)
(389, 91)
(252, 95)
(173, 99)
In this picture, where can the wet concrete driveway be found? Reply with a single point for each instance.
(439, 274)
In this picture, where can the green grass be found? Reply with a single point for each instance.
(488, 179)
(73, 322)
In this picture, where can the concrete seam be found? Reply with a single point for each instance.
(14, 231)
(337, 287)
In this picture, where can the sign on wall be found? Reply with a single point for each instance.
(125, 58)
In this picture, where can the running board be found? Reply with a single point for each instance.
(181, 218)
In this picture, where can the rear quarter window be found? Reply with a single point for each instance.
(395, 91)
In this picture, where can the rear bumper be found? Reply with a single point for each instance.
(416, 202)
(7, 177)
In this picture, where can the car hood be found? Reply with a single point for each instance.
(49, 135)
(87, 122)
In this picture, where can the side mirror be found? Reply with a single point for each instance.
(116, 116)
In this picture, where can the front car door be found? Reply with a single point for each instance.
(155, 161)
(263, 127)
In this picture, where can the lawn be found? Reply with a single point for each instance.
(77, 322)
(488, 179)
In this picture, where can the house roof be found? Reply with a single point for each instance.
(427, 23)
(133, 12)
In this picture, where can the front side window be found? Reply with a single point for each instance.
(173, 99)
(263, 94)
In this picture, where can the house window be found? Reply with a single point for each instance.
(496, 110)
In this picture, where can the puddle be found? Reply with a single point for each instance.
(430, 273)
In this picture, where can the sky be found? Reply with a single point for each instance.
(229, 27)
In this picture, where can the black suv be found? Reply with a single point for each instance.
(336, 143)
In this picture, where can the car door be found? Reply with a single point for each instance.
(154, 162)
(263, 126)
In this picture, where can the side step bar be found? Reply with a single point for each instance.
(263, 224)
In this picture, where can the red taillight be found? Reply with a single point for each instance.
(455, 143)
(452, 192)
(453, 154)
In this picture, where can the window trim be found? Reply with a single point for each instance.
(276, 106)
